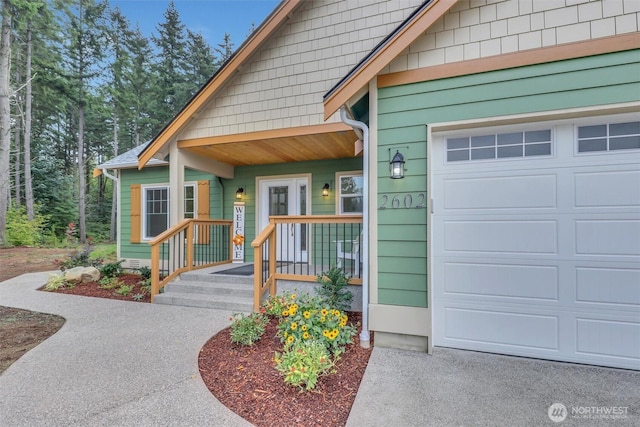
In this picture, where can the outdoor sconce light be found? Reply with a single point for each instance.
(397, 166)
(239, 193)
(325, 190)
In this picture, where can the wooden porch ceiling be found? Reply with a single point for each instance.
(319, 142)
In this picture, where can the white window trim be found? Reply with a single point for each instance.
(162, 186)
(338, 191)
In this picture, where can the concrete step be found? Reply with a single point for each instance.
(209, 288)
(218, 302)
(215, 278)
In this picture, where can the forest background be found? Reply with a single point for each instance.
(79, 85)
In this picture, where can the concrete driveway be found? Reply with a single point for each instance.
(466, 388)
(118, 363)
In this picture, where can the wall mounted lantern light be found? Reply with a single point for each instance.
(325, 190)
(239, 193)
(397, 166)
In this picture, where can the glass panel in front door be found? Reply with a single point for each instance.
(279, 200)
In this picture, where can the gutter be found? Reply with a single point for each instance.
(364, 335)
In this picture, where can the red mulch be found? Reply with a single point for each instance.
(93, 289)
(245, 380)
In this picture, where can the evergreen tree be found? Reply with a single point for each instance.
(172, 89)
(202, 62)
(224, 50)
(86, 30)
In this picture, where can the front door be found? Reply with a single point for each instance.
(285, 197)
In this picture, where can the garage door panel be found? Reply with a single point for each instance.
(611, 338)
(608, 237)
(538, 257)
(597, 189)
(523, 237)
(608, 286)
(529, 282)
(530, 331)
(500, 192)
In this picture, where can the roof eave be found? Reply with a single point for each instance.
(385, 52)
(279, 15)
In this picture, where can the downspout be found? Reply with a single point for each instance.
(221, 198)
(364, 335)
(108, 175)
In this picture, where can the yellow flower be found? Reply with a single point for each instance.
(324, 311)
(306, 314)
(305, 335)
(290, 339)
(303, 327)
(294, 326)
(293, 296)
(325, 333)
(322, 319)
(285, 313)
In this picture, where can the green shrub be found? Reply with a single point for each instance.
(247, 329)
(112, 269)
(22, 232)
(145, 272)
(138, 297)
(332, 288)
(308, 318)
(124, 290)
(55, 282)
(303, 363)
(110, 283)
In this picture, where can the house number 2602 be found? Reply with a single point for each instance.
(403, 201)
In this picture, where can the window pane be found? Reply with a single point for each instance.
(456, 156)
(188, 192)
(188, 208)
(592, 131)
(455, 143)
(511, 151)
(483, 141)
(352, 204)
(537, 136)
(537, 150)
(156, 224)
(631, 128)
(483, 153)
(279, 200)
(351, 184)
(510, 138)
(624, 143)
(592, 145)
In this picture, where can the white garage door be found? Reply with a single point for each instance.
(536, 240)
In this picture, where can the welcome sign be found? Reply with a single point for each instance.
(238, 232)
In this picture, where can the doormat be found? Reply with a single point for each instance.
(246, 270)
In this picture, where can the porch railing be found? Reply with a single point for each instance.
(189, 245)
(301, 247)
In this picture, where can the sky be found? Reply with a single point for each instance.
(211, 18)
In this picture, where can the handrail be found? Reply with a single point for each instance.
(267, 241)
(264, 235)
(212, 235)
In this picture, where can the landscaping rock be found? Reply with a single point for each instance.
(82, 274)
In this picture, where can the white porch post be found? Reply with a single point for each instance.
(176, 200)
(176, 185)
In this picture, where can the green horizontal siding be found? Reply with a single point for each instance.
(150, 176)
(321, 172)
(405, 111)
